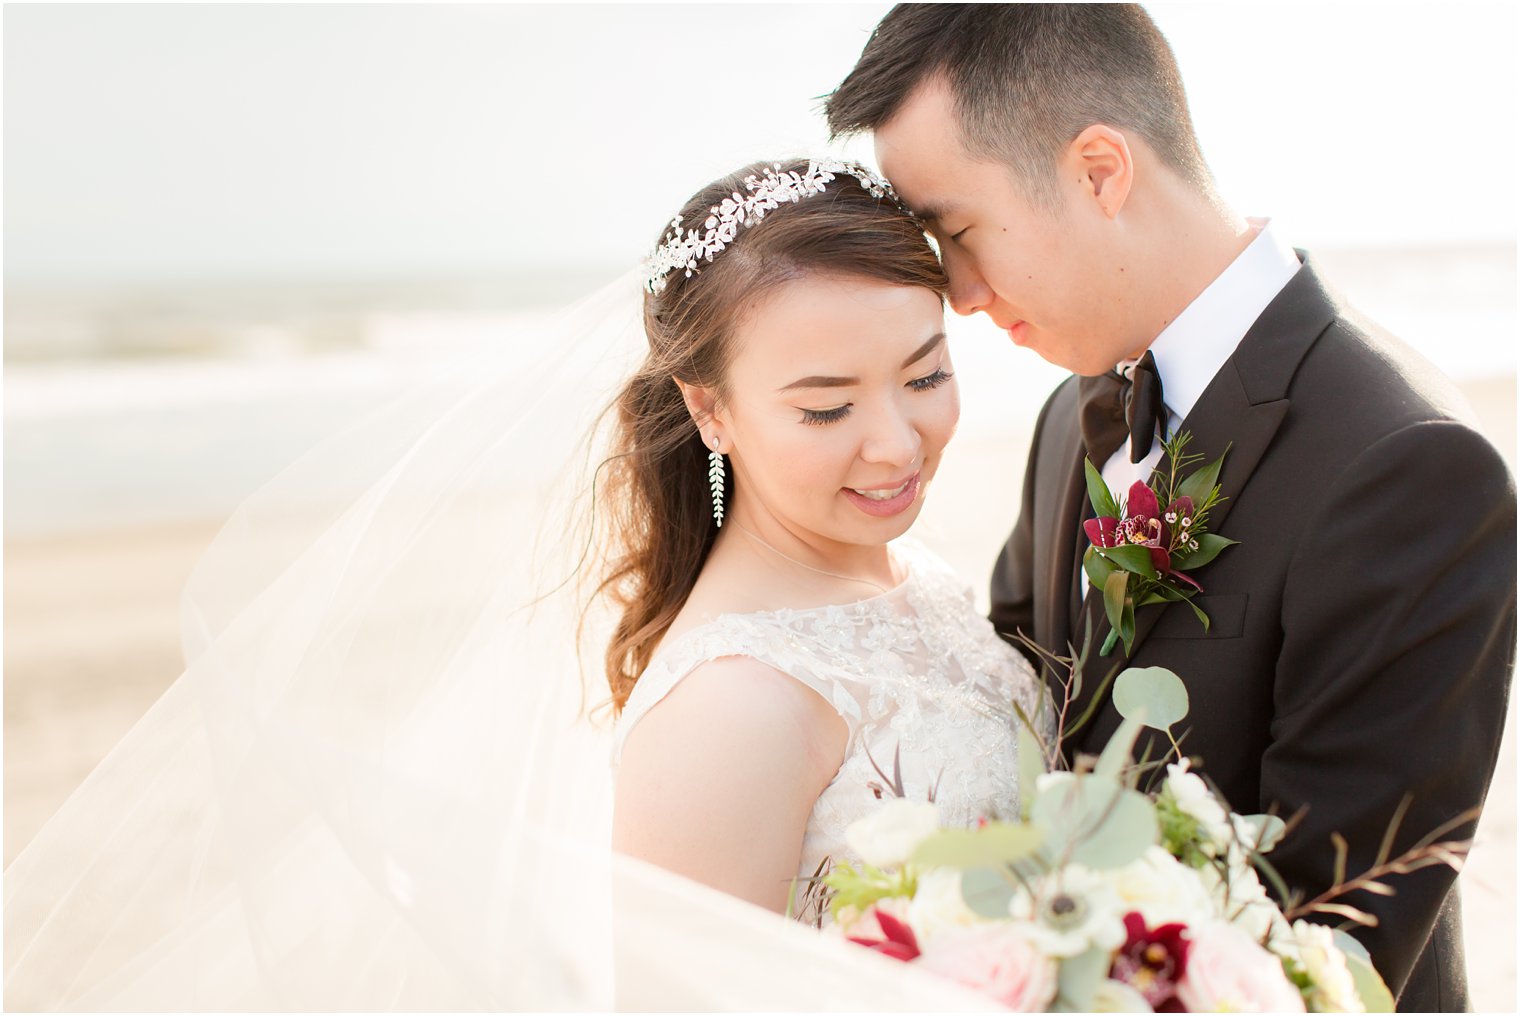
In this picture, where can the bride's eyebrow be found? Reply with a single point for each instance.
(819, 381)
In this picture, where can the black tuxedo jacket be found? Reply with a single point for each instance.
(1363, 630)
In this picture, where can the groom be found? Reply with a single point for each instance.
(1363, 629)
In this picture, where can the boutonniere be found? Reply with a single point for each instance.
(1141, 553)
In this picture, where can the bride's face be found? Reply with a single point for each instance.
(840, 401)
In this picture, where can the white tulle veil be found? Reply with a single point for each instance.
(381, 782)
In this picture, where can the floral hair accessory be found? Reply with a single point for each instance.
(683, 248)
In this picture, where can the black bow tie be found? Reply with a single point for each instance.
(1112, 407)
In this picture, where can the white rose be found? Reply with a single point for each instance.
(1228, 972)
(1162, 889)
(888, 836)
(1334, 988)
(938, 905)
(1196, 800)
(1241, 899)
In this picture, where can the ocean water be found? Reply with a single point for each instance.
(127, 408)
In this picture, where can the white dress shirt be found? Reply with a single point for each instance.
(1192, 349)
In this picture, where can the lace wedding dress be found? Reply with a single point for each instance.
(920, 679)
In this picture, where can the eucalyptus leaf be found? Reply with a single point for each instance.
(987, 892)
(1116, 753)
(1344, 941)
(1098, 493)
(1031, 765)
(1153, 695)
(1200, 484)
(993, 844)
(1370, 988)
(1094, 820)
(1079, 979)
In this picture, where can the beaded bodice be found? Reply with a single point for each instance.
(917, 674)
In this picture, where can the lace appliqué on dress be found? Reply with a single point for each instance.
(916, 673)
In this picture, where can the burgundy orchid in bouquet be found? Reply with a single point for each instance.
(1140, 552)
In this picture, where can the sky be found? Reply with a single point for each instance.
(224, 142)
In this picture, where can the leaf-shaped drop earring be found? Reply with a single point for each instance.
(715, 477)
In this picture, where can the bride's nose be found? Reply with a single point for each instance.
(891, 440)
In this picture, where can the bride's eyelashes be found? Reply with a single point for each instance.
(928, 382)
(822, 416)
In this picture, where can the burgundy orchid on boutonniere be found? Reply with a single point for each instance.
(1140, 553)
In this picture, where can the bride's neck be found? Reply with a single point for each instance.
(807, 559)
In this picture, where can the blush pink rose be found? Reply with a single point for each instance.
(997, 961)
(1227, 971)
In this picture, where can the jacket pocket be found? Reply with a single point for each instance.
(1227, 618)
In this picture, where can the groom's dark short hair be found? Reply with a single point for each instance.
(1027, 79)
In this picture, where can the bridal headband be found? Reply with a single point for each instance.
(683, 248)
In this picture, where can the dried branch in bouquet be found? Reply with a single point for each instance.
(814, 900)
(1428, 852)
(1052, 668)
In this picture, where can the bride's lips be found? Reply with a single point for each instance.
(903, 494)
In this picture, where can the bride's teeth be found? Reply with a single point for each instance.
(882, 495)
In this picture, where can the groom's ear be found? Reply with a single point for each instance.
(1104, 166)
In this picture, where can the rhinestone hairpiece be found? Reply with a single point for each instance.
(683, 248)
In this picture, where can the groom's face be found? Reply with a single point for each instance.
(1043, 275)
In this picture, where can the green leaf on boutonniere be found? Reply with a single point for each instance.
(1209, 546)
(1203, 618)
(1098, 493)
(1097, 567)
(1200, 485)
(1114, 588)
(1132, 558)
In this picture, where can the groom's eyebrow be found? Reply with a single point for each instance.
(819, 381)
(931, 214)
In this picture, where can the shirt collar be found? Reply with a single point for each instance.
(1192, 349)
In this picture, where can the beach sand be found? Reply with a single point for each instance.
(92, 638)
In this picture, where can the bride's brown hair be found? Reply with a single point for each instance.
(657, 502)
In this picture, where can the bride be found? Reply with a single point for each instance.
(376, 784)
(771, 660)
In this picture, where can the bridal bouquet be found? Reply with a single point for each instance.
(1100, 897)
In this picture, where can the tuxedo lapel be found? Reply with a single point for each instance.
(1242, 409)
(1061, 592)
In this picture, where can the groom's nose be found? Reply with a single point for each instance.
(969, 292)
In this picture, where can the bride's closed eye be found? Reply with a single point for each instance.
(928, 382)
